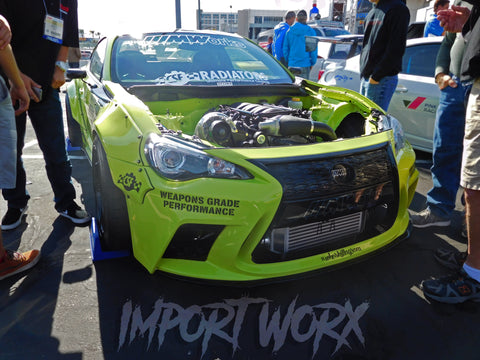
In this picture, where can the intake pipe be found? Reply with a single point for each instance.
(288, 125)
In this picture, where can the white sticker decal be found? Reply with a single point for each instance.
(196, 40)
(212, 76)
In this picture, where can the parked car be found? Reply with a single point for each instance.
(415, 30)
(327, 31)
(327, 28)
(334, 50)
(416, 97)
(263, 36)
(85, 56)
(211, 160)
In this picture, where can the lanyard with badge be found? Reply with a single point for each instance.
(53, 27)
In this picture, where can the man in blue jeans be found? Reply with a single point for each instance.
(448, 134)
(384, 44)
(42, 36)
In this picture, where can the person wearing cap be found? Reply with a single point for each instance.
(384, 43)
(279, 36)
(294, 49)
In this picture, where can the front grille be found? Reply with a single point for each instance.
(330, 201)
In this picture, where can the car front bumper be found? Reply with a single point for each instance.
(293, 217)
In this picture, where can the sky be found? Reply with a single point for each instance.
(131, 16)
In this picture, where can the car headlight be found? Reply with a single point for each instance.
(388, 122)
(177, 160)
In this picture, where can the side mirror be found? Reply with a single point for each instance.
(73, 73)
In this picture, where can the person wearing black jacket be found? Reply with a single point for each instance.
(465, 284)
(384, 44)
(43, 32)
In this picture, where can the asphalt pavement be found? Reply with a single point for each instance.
(68, 307)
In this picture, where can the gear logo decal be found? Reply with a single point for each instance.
(129, 182)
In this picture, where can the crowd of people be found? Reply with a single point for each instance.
(456, 144)
(289, 43)
(33, 64)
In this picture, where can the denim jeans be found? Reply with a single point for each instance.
(303, 72)
(8, 138)
(47, 121)
(380, 93)
(447, 150)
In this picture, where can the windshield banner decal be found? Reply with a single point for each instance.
(212, 76)
(196, 40)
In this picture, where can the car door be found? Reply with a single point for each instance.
(416, 97)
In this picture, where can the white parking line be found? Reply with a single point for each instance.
(30, 144)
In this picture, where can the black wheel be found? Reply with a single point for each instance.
(74, 132)
(110, 205)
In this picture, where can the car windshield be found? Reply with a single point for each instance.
(194, 59)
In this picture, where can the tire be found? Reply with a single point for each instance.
(112, 215)
(74, 132)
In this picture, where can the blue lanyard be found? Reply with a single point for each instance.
(59, 8)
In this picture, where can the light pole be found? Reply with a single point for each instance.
(199, 17)
(178, 14)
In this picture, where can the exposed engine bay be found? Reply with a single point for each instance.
(256, 125)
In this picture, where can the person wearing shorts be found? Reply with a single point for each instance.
(464, 285)
(11, 262)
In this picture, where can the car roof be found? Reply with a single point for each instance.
(325, 23)
(266, 32)
(336, 37)
(425, 40)
(328, 27)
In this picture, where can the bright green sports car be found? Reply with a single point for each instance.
(211, 160)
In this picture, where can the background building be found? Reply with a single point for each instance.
(219, 21)
(351, 13)
(251, 22)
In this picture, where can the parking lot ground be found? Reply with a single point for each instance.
(68, 307)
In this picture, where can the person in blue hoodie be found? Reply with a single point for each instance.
(294, 49)
(279, 35)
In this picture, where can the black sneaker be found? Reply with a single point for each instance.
(76, 214)
(452, 259)
(13, 218)
(452, 289)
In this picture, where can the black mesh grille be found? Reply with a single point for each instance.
(320, 188)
